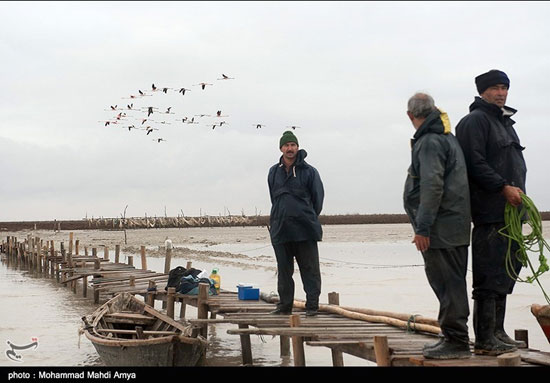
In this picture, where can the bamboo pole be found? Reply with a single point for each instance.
(374, 318)
(510, 359)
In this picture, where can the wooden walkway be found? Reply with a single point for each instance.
(380, 343)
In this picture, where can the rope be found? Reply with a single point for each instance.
(412, 319)
(514, 218)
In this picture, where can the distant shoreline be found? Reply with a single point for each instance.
(203, 221)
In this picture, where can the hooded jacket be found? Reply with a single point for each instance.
(494, 158)
(436, 196)
(297, 201)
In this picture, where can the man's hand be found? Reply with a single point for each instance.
(422, 243)
(512, 195)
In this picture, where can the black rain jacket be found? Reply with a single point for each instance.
(494, 158)
(297, 201)
(436, 196)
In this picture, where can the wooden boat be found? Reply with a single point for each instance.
(542, 313)
(127, 332)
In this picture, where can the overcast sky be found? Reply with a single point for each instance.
(341, 71)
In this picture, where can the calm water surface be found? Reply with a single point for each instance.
(384, 274)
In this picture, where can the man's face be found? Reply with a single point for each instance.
(496, 94)
(289, 150)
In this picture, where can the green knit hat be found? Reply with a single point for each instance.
(288, 136)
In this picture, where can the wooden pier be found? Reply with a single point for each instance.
(386, 339)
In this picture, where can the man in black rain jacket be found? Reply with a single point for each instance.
(297, 194)
(497, 171)
(437, 202)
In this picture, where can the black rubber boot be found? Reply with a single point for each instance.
(484, 327)
(500, 334)
(448, 350)
(435, 344)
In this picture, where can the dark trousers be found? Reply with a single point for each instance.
(446, 272)
(489, 248)
(306, 254)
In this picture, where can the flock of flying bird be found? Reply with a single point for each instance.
(125, 118)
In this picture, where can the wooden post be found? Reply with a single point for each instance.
(382, 351)
(170, 301)
(97, 263)
(183, 304)
(57, 271)
(106, 253)
(337, 356)
(284, 342)
(151, 292)
(117, 253)
(202, 307)
(130, 260)
(246, 346)
(522, 335)
(86, 251)
(132, 281)
(143, 259)
(168, 259)
(139, 333)
(94, 252)
(297, 343)
(509, 359)
(71, 243)
(76, 243)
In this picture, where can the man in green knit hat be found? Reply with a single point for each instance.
(297, 194)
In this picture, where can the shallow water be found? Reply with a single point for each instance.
(370, 266)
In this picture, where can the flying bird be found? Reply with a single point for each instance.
(113, 107)
(153, 87)
(130, 106)
(149, 111)
(149, 129)
(259, 126)
(182, 91)
(224, 77)
(293, 127)
(203, 84)
(159, 139)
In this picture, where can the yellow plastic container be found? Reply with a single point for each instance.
(216, 278)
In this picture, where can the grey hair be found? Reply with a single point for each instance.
(421, 105)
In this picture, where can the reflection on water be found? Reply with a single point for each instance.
(384, 275)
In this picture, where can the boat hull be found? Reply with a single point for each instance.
(167, 353)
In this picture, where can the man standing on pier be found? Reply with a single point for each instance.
(437, 201)
(497, 172)
(297, 194)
